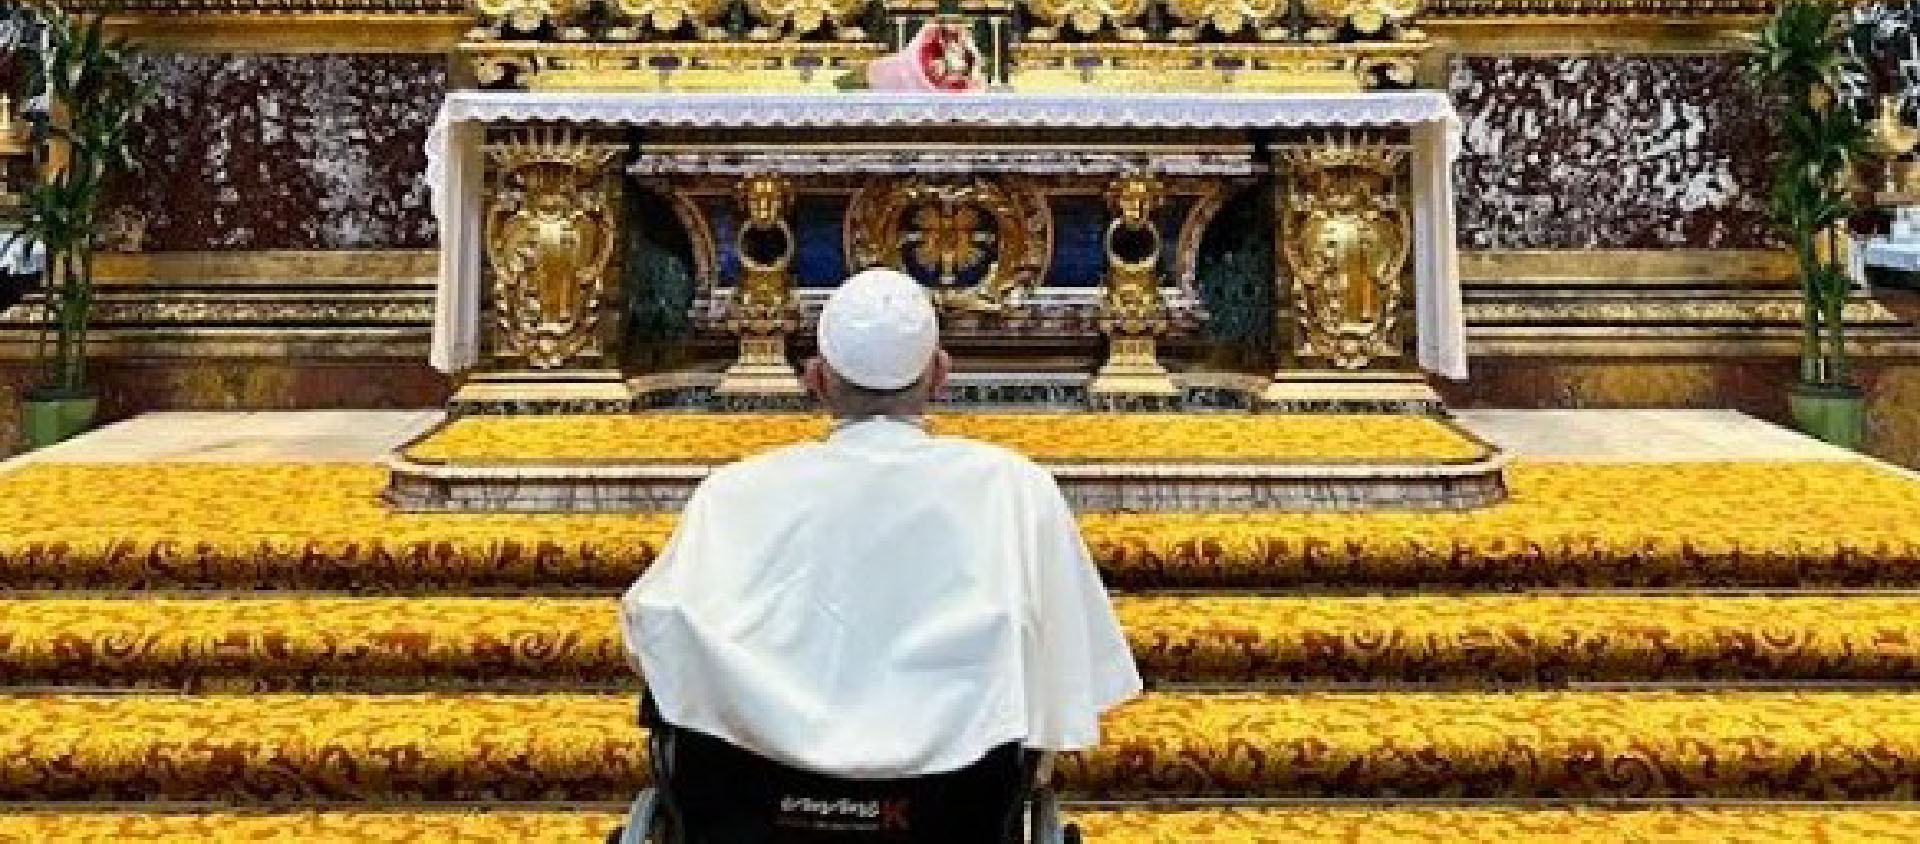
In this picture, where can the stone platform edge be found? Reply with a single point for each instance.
(643, 486)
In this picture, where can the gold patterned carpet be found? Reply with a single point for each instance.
(1828, 745)
(1398, 825)
(299, 664)
(1042, 436)
(322, 526)
(453, 643)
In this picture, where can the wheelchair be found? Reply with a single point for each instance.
(706, 791)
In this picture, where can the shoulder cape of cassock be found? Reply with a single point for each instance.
(882, 604)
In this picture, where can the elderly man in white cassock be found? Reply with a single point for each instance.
(883, 603)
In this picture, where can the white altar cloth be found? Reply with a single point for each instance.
(20, 255)
(455, 167)
(1892, 254)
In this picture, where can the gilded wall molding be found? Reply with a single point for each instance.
(361, 8)
(330, 305)
(1685, 309)
(414, 26)
(224, 307)
(1586, 34)
(224, 29)
(315, 268)
(1673, 342)
(306, 344)
(1561, 268)
(1539, 9)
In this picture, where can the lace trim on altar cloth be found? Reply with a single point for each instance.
(945, 162)
(1153, 110)
(1074, 111)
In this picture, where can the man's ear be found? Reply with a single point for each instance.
(937, 370)
(814, 375)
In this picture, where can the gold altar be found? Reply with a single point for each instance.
(1098, 255)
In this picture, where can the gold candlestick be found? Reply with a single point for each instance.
(15, 138)
(1891, 138)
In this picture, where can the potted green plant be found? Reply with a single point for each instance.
(91, 97)
(1798, 56)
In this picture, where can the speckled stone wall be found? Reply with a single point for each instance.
(1610, 152)
(1561, 152)
(245, 152)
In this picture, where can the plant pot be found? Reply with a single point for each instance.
(1833, 413)
(51, 417)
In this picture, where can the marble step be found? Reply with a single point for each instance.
(264, 643)
(1781, 524)
(1828, 745)
(1334, 824)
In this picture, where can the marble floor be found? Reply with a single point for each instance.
(360, 436)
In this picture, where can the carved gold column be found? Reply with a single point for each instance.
(552, 223)
(1130, 312)
(1345, 233)
(762, 311)
(16, 165)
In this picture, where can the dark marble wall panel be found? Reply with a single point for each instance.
(1611, 152)
(10, 71)
(247, 152)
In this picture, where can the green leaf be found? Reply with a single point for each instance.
(97, 98)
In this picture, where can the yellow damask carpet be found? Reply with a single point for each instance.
(375, 644)
(1042, 436)
(406, 671)
(1396, 825)
(322, 526)
(1829, 745)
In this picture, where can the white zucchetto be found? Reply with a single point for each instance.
(879, 330)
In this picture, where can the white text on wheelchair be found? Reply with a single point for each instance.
(844, 813)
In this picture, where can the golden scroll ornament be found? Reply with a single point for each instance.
(670, 15)
(1231, 17)
(804, 17)
(1086, 17)
(979, 243)
(526, 16)
(1386, 19)
(551, 226)
(1345, 239)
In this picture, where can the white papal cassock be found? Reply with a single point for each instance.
(884, 603)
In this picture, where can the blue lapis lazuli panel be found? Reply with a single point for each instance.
(1172, 215)
(1079, 259)
(719, 211)
(821, 259)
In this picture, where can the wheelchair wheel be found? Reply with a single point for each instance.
(643, 820)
